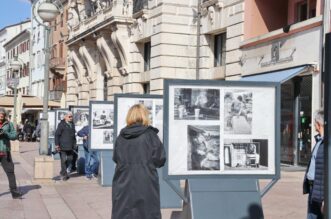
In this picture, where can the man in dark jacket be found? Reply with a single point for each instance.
(65, 143)
(8, 133)
(314, 177)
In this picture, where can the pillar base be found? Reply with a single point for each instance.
(15, 146)
(43, 167)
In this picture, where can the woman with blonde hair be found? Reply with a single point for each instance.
(137, 153)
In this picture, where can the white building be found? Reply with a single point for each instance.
(6, 34)
(19, 47)
(37, 57)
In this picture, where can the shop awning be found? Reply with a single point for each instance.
(7, 101)
(279, 76)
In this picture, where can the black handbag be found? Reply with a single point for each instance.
(306, 186)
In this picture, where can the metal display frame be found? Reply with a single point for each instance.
(169, 197)
(223, 84)
(91, 122)
(213, 196)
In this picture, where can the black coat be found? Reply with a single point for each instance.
(138, 152)
(65, 136)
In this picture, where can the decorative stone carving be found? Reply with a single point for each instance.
(86, 51)
(121, 50)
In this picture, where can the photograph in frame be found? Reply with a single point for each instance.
(204, 147)
(102, 128)
(238, 105)
(80, 119)
(197, 104)
(153, 104)
(246, 154)
(59, 115)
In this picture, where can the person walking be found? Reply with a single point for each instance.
(314, 177)
(8, 133)
(137, 153)
(65, 143)
(91, 157)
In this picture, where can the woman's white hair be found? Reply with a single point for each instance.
(319, 117)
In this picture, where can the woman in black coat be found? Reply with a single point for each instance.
(138, 152)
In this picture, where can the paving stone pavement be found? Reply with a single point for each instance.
(79, 198)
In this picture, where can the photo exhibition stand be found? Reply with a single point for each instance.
(234, 193)
(169, 198)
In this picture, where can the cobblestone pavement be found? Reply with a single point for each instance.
(79, 198)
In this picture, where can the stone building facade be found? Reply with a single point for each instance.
(125, 46)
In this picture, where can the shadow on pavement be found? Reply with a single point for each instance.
(27, 189)
(24, 189)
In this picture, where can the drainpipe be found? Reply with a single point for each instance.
(197, 77)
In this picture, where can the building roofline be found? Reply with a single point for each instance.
(15, 37)
(16, 24)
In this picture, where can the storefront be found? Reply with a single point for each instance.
(293, 60)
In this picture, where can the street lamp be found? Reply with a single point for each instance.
(47, 12)
(15, 66)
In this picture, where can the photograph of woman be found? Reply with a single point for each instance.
(138, 151)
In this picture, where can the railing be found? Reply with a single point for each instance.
(55, 95)
(57, 62)
(139, 5)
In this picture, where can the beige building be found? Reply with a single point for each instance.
(58, 55)
(132, 46)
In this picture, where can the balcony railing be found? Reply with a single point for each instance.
(139, 5)
(55, 95)
(57, 62)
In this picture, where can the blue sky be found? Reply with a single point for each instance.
(14, 11)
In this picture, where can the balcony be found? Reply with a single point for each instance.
(57, 63)
(55, 95)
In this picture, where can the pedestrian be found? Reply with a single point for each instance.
(65, 143)
(27, 130)
(138, 152)
(91, 157)
(314, 177)
(8, 133)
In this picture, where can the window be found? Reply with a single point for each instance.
(147, 88)
(62, 20)
(219, 49)
(302, 11)
(61, 50)
(147, 56)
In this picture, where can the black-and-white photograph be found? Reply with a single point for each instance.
(81, 117)
(59, 115)
(238, 106)
(197, 104)
(246, 154)
(103, 118)
(203, 147)
(108, 136)
(149, 105)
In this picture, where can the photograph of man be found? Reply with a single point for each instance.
(8, 133)
(65, 143)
